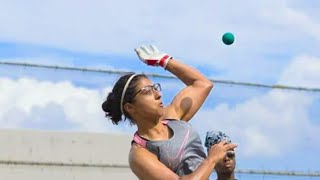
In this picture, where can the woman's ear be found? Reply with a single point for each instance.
(129, 108)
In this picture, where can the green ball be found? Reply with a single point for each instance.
(228, 38)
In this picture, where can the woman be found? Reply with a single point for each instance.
(165, 145)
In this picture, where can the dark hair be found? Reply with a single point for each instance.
(111, 106)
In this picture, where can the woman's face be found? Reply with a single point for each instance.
(147, 101)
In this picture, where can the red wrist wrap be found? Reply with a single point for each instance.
(162, 60)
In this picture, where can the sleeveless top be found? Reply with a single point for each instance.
(182, 153)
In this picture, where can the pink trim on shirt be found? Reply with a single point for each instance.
(142, 142)
(165, 122)
(139, 140)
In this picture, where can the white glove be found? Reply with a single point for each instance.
(152, 56)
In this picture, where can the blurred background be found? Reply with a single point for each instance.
(59, 59)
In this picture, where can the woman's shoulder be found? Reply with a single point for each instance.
(138, 152)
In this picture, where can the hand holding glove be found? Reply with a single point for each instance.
(152, 56)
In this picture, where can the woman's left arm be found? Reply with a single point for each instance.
(189, 100)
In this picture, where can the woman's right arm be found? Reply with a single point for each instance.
(145, 165)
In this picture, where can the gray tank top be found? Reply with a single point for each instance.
(182, 153)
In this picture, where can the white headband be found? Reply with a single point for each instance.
(124, 91)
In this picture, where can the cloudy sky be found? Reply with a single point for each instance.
(277, 42)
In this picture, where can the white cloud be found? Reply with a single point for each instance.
(185, 29)
(277, 120)
(274, 123)
(31, 103)
(309, 76)
(294, 19)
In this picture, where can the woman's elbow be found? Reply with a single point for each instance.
(205, 85)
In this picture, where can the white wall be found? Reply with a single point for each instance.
(39, 155)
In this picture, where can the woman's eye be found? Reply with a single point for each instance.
(146, 91)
